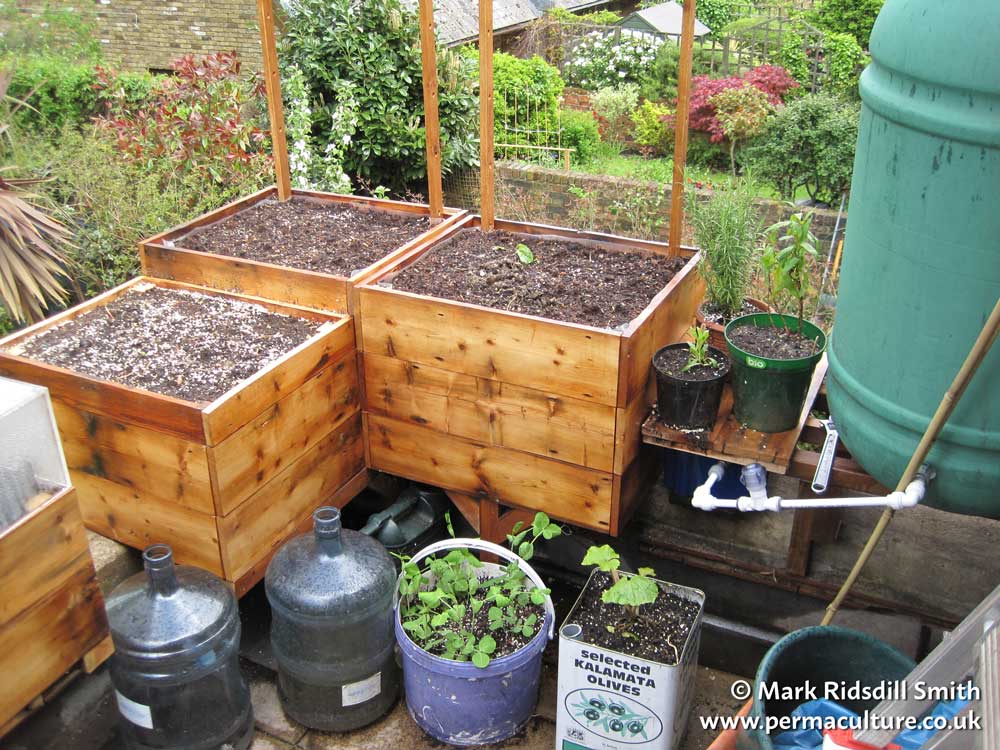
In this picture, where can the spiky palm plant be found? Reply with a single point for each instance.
(32, 244)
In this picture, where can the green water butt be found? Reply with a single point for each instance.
(921, 269)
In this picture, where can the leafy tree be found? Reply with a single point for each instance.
(579, 130)
(660, 82)
(773, 80)
(854, 17)
(742, 113)
(525, 92)
(846, 60)
(717, 14)
(653, 128)
(809, 143)
(361, 62)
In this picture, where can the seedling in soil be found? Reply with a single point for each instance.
(524, 254)
(787, 260)
(698, 349)
(441, 604)
(631, 592)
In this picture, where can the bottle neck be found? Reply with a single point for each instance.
(158, 561)
(326, 527)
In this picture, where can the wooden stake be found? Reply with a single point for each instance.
(681, 127)
(951, 397)
(486, 208)
(432, 126)
(275, 111)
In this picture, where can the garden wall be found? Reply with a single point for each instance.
(600, 202)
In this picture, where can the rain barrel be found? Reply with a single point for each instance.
(176, 669)
(921, 269)
(331, 595)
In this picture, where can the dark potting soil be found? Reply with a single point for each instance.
(173, 342)
(508, 641)
(333, 238)
(673, 362)
(658, 633)
(773, 343)
(710, 313)
(567, 281)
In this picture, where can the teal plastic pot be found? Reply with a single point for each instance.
(813, 656)
(768, 393)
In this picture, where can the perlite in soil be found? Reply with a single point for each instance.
(627, 658)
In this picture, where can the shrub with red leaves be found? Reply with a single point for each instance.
(198, 121)
(773, 80)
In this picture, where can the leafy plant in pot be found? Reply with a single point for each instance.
(773, 355)
(627, 656)
(689, 381)
(472, 635)
(727, 229)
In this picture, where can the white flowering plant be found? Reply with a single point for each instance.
(610, 58)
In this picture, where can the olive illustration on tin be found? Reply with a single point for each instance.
(613, 717)
(617, 709)
(616, 725)
(634, 727)
(597, 703)
(592, 715)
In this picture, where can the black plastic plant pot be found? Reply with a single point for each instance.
(691, 404)
(768, 394)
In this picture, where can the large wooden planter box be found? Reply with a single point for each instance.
(224, 483)
(164, 256)
(51, 608)
(529, 412)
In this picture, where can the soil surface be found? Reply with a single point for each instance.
(333, 238)
(566, 281)
(658, 633)
(712, 314)
(673, 362)
(173, 342)
(773, 343)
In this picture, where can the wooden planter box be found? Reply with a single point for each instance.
(224, 483)
(164, 256)
(522, 410)
(51, 612)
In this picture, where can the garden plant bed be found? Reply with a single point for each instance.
(658, 633)
(528, 411)
(564, 281)
(310, 250)
(225, 479)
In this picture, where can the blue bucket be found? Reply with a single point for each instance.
(457, 702)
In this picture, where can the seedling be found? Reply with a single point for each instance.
(440, 602)
(698, 355)
(524, 254)
(632, 592)
(787, 259)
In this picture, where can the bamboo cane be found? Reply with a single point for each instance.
(486, 176)
(951, 397)
(681, 127)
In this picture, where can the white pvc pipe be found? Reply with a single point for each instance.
(758, 499)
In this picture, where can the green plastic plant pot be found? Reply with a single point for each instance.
(768, 393)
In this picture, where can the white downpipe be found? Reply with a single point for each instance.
(754, 477)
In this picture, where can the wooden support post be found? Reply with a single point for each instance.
(486, 176)
(432, 126)
(681, 127)
(275, 111)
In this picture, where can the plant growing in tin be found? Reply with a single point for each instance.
(631, 591)
(441, 602)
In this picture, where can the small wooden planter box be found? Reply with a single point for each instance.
(51, 611)
(224, 483)
(163, 256)
(526, 411)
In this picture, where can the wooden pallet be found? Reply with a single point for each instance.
(224, 483)
(730, 441)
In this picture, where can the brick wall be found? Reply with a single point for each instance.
(141, 34)
(602, 203)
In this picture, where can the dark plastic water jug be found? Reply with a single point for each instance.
(332, 626)
(176, 668)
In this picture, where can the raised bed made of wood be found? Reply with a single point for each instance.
(164, 256)
(51, 612)
(522, 410)
(224, 483)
